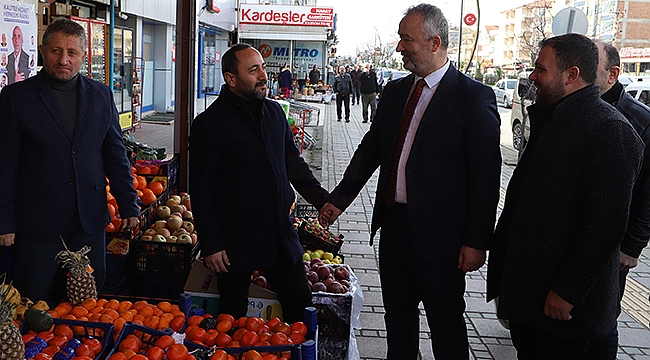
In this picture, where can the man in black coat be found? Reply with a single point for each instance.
(356, 84)
(342, 89)
(638, 226)
(554, 258)
(369, 90)
(242, 167)
(438, 188)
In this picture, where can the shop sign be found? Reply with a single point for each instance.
(629, 52)
(19, 22)
(278, 53)
(322, 16)
(213, 6)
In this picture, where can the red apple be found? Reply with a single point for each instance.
(184, 239)
(188, 226)
(341, 273)
(260, 281)
(319, 286)
(174, 222)
(160, 224)
(150, 232)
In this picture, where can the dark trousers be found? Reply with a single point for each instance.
(532, 344)
(406, 282)
(368, 100)
(345, 99)
(606, 348)
(39, 276)
(356, 95)
(288, 281)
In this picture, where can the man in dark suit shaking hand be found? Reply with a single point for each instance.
(435, 139)
(60, 141)
(18, 60)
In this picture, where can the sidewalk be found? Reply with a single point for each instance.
(488, 339)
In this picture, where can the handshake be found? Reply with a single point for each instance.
(328, 214)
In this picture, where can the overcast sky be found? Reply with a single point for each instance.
(358, 20)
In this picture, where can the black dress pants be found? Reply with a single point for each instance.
(289, 281)
(406, 281)
(532, 344)
(345, 99)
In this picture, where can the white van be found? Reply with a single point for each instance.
(524, 95)
(640, 90)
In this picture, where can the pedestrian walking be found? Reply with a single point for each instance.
(438, 187)
(554, 258)
(342, 89)
(285, 79)
(369, 91)
(314, 76)
(257, 169)
(638, 225)
(355, 74)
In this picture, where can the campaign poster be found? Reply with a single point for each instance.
(18, 47)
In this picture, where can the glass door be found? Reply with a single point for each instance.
(97, 54)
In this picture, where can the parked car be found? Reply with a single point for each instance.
(640, 91)
(396, 74)
(504, 90)
(523, 96)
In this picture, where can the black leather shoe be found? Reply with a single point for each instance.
(338, 119)
(364, 121)
(347, 120)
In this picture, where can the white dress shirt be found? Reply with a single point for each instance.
(432, 80)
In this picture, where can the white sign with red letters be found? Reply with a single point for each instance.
(284, 15)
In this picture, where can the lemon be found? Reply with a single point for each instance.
(328, 256)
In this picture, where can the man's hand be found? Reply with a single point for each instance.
(217, 262)
(627, 262)
(470, 259)
(129, 223)
(556, 307)
(7, 239)
(328, 214)
(19, 76)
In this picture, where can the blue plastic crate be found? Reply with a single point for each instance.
(96, 330)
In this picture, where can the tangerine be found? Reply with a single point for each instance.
(157, 187)
(142, 182)
(148, 198)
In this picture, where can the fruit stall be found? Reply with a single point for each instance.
(160, 302)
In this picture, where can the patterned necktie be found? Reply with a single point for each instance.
(407, 116)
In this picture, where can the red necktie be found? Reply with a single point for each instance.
(407, 116)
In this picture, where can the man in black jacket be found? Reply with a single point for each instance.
(342, 89)
(638, 226)
(554, 256)
(369, 91)
(253, 171)
(356, 84)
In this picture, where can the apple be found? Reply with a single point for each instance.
(146, 237)
(188, 215)
(341, 273)
(159, 238)
(255, 274)
(335, 287)
(180, 231)
(164, 232)
(184, 239)
(160, 224)
(176, 198)
(174, 222)
(187, 225)
(312, 276)
(186, 201)
(319, 286)
(195, 238)
(183, 194)
(328, 281)
(150, 232)
(260, 281)
(323, 272)
(345, 283)
(172, 239)
(316, 260)
(177, 214)
(178, 208)
(171, 202)
(163, 212)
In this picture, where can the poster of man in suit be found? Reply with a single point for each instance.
(19, 22)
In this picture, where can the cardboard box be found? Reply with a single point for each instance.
(201, 284)
(60, 9)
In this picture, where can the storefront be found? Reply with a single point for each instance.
(293, 35)
(635, 62)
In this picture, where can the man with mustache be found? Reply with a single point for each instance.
(243, 161)
(60, 141)
(554, 258)
(435, 140)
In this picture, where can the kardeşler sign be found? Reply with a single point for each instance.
(284, 15)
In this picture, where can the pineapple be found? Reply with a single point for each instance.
(80, 284)
(11, 342)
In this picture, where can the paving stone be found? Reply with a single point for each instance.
(372, 321)
(634, 337)
(490, 327)
(357, 248)
(479, 305)
(360, 263)
(372, 298)
(503, 352)
(368, 279)
(372, 347)
(475, 285)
